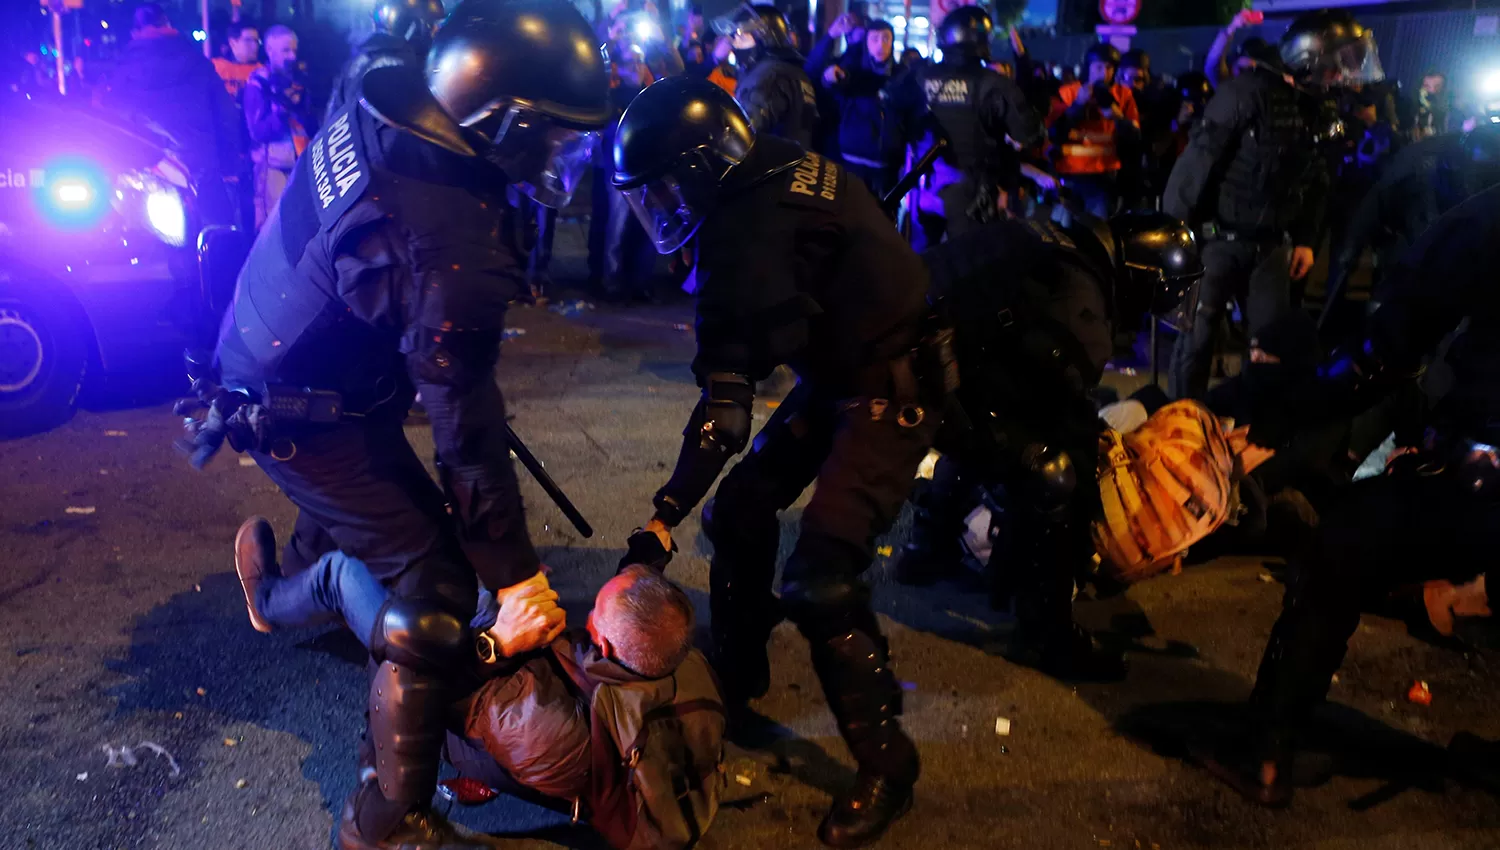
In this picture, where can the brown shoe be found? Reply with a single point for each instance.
(255, 561)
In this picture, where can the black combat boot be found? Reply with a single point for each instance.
(255, 562)
(367, 812)
(855, 670)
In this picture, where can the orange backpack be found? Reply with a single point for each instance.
(1165, 486)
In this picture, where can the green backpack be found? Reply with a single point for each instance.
(658, 758)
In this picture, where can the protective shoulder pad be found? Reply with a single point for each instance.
(398, 96)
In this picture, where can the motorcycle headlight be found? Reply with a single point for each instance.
(146, 200)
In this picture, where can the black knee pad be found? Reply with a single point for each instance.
(1051, 477)
(826, 606)
(417, 633)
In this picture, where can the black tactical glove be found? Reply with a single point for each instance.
(212, 415)
(644, 548)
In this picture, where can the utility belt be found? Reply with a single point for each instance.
(1263, 237)
(921, 379)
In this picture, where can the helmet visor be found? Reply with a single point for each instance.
(746, 21)
(545, 160)
(1357, 63)
(673, 206)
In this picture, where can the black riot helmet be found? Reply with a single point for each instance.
(1195, 88)
(761, 22)
(966, 32)
(676, 146)
(1330, 48)
(413, 21)
(1151, 257)
(526, 81)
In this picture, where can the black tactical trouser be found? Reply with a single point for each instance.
(1258, 275)
(361, 489)
(864, 467)
(1388, 533)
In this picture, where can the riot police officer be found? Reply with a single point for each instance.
(1033, 304)
(1431, 522)
(773, 89)
(1254, 183)
(403, 32)
(979, 113)
(797, 265)
(1422, 181)
(380, 273)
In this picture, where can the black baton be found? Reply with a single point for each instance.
(909, 180)
(558, 497)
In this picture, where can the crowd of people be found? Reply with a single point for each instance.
(1053, 216)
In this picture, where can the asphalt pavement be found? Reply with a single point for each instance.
(140, 710)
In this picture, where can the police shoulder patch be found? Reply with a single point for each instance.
(815, 182)
(338, 166)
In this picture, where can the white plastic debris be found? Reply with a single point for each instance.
(247, 461)
(83, 510)
(127, 756)
(742, 779)
(82, 776)
(1002, 726)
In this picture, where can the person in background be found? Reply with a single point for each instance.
(696, 48)
(724, 74)
(1434, 106)
(912, 58)
(1217, 64)
(1141, 173)
(243, 43)
(279, 117)
(1090, 124)
(825, 61)
(869, 152)
(403, 33)
(621, 262)
(165, 79)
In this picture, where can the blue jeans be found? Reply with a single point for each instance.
(336, 587)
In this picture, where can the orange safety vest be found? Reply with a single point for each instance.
(1090, 145)
(723, 80)
(234, 74)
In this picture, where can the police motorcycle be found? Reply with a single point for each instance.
(106, 265)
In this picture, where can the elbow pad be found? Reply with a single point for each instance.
(719, 429)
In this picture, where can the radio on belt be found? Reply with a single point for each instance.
(292, 404)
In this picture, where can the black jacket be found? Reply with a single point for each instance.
(1447, 276)
(382, 271)
(1253, 164)
(976, 110)
(779, 98)
(865, 136)
(170, 82)
(1421, 182)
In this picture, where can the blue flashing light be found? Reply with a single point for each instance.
(200, 35)
(73, 194)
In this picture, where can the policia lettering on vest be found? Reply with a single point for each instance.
(816, 177)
